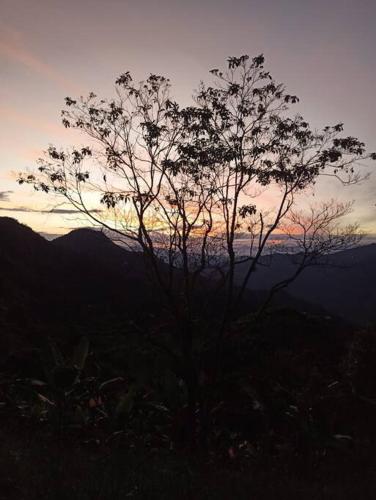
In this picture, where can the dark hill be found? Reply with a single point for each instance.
(344, 284)
(17, 237)
(95, 245)
(83, 278)
(49, 288)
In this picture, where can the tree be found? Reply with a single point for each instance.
(181, 184)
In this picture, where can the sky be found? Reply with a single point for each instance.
(324, 51)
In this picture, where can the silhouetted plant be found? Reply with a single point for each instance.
(182, 183)
(63, 398)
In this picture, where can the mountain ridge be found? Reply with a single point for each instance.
(84, 276)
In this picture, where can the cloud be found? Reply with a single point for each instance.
(30, 121)
(65, 211)
(23, 56)
(4, 195)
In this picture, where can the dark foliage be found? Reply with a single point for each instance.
(102, 411)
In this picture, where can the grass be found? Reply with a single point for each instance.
(36, 465)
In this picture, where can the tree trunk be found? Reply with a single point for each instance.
(191, 382)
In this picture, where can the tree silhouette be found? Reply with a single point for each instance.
(183, 183)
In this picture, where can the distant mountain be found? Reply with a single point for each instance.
(96, 246)
(79, 278)
(344, 284)
(83, 279)
(83, 261)
(93, 243)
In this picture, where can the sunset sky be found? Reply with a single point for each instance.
(323, 50)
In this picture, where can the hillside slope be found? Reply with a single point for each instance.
(80, 278)
(344, 284)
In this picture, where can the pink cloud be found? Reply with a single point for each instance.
(12, 50)
(28, 121)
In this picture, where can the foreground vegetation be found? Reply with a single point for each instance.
(290, 417)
